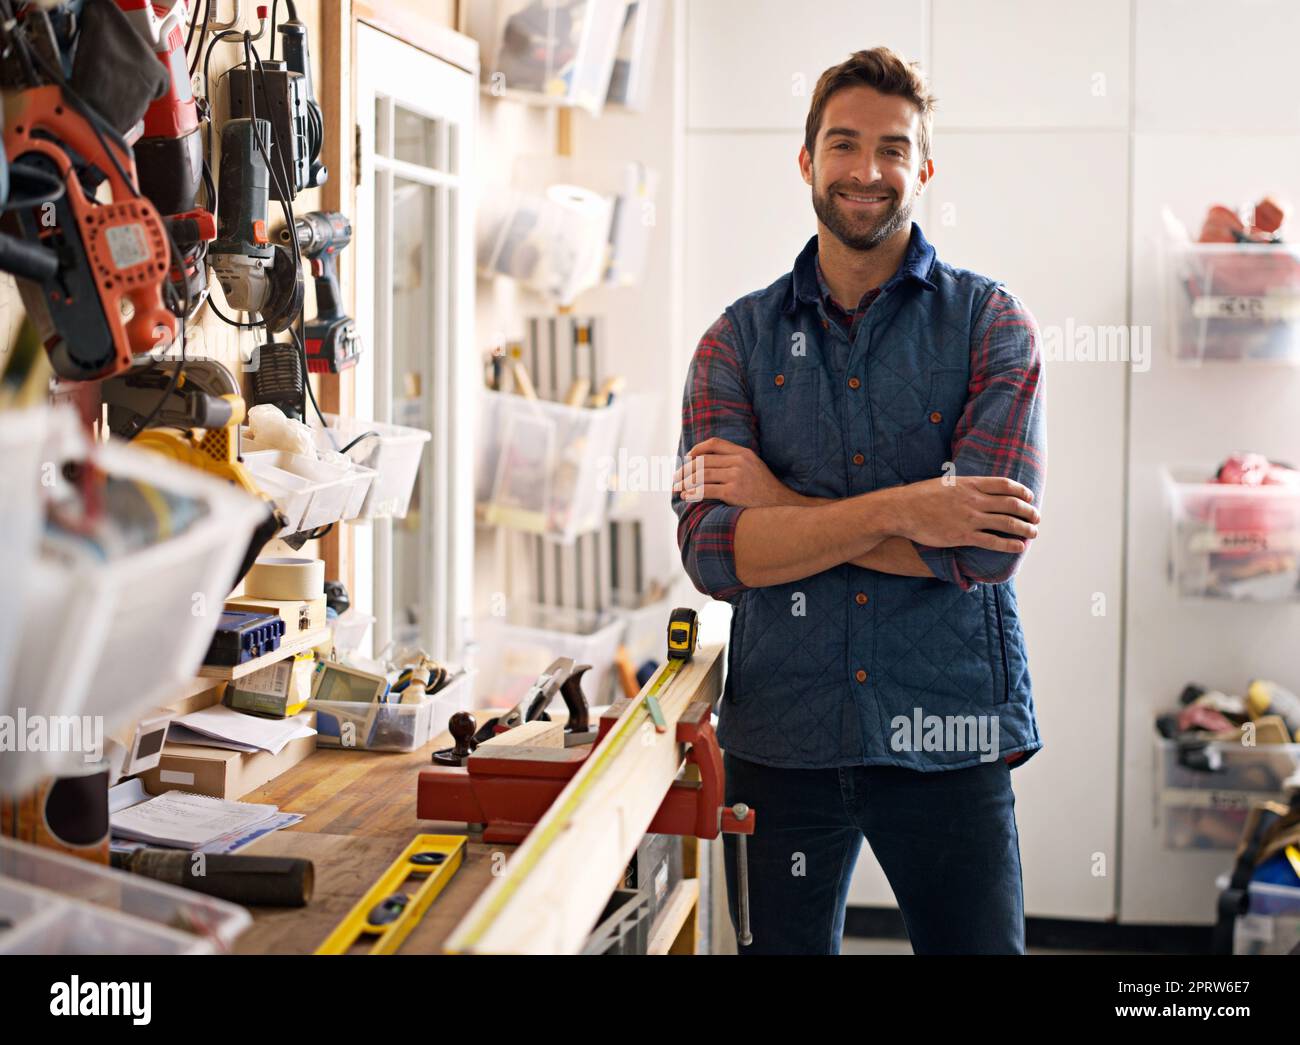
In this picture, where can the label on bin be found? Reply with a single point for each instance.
(1253, 307)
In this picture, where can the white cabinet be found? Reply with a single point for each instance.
(753, 64)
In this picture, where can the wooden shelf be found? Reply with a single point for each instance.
(298, 644)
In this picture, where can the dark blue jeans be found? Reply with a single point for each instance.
(946, 841)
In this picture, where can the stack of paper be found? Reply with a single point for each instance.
(228, 728)
(186, 821)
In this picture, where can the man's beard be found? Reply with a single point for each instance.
(861, 233)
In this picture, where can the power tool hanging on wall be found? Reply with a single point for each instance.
(282, 93)
(332, 342)
(169, 155)
(256, 275)
(101, 302)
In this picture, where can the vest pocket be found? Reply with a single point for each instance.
(786, 403)
(926, 446)
(997, 645)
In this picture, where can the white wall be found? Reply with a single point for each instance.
(1205, 131)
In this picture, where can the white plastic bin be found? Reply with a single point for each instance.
(1231, 302)
(390, 727)
(116, 637)
(551, 465)
(1198, 809)
(559, 52)
(393, 453)
(514, 650)
(329, 485)
(26, 438)
(58, 904)
(1231, 541)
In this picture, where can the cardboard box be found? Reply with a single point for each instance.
(219, 772)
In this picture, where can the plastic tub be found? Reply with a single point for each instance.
(393, 453)
(25, 438)
(329, 485)
(350, 628)
(514, 651)
(1201, 809)
(1232, 541)
(551, 465)
(551, 53)
(390, 727)
(58, 904)
(1231, 302)
(118, 637)
(291, 493)
(1272, 922)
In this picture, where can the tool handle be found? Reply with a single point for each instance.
(27, 260)
(274, 881)
(327, 286)
(575, 700)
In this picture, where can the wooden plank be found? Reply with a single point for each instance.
(672, 920)
(336, 392)
(554, 887)
(533, 734)
(300, 644)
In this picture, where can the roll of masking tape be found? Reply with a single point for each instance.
(282, 578)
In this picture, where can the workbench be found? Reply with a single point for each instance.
(359, 809)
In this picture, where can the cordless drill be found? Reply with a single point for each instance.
(331, 338)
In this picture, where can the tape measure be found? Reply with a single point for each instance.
(388, 913)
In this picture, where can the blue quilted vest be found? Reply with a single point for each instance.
(931, 652)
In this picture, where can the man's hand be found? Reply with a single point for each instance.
(718, 470)
(959, 512)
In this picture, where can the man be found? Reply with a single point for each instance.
(864, 452)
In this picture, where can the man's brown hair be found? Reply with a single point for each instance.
(879, 68)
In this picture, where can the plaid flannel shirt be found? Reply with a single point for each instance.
(1001, 432)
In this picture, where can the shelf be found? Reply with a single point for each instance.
(298, 644)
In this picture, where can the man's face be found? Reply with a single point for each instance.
(867, 172)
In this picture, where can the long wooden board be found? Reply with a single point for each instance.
(555, 885)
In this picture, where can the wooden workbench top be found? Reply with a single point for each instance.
(359, 809)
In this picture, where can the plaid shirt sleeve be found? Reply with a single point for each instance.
(1001, 430)
(716, 402)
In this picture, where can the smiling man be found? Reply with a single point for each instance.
(864, 453)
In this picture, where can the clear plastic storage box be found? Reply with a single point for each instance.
(1231, 302)
(559, 52)
(1231, 541)
(391, 727)
(96, 640)
(1271, 924)
(543, 467)
(514, 650)
(51, 903)
(323, 494)
(393, 452)
(1199, 809)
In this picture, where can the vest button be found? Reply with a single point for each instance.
(860, 675)
(936, 417)
(858, 459)
(860, 599)
(854, 383)
(779, 379)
